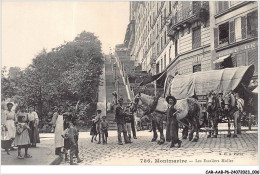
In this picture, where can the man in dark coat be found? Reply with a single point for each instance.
(120, 120)
(172, 122)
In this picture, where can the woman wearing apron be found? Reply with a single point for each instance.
(57, 123)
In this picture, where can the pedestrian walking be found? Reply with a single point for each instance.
(22, 136)
(120, 120)
(93, 131)
(33, 124)
(97, 121)
(172, 122)
(104, 129)
(57, 124)
(8, 122)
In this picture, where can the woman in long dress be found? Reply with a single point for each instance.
(57, 123)
(22, 137)
(8, 120)
(33, 123)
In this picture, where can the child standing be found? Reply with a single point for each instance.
(93, 131)
(22, 137)
(104, 129)
(128, 119)
(71, 135)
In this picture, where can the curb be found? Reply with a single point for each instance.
(56, 161)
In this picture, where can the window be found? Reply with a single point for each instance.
(224, 33)
(164, 61)
(170, 6)
(164, 15)
(196, 38)
(165, 37)
(161, 65)
(157, 68)
(161, 42)
(252, 23)
(222, 5)
(176, 47)
(170, 59)
(241, 59)
(197, 68)
(238, 31)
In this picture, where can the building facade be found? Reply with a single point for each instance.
(189, 36)
(235, 34)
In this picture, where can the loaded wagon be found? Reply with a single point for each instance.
(200, 83)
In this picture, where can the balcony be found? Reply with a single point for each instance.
(184, 17)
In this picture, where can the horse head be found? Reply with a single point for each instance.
(212, 100)
(229, 101)
(139, 104)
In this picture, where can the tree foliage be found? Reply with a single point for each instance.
(68, 73)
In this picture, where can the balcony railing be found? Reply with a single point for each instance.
(183, 14)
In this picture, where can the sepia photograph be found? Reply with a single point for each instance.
(130, 83)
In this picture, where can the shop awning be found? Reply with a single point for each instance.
(151, 78)
(221, 59)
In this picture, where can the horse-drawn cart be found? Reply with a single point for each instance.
(200, 83)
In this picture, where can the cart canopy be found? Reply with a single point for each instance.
(200, 83)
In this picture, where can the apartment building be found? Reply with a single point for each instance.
(189, 36)
(235, 34)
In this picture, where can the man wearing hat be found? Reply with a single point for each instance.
(120, 120)
(33, 123)
(172, 123)
(8, 120)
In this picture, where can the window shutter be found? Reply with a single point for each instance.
(243, 26)
(232, 32)
(216, 37)
(225, 4)
(220, 6)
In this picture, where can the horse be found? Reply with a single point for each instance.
(145, 106)
(231, 111)
(213, 108)
(188, 112)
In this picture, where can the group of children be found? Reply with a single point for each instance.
(99, 128)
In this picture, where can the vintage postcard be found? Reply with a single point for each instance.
(130, 83)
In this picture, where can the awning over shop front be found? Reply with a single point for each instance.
(221, 59)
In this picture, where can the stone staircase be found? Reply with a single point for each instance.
(110, 87)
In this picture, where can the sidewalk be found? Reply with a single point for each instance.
(43, 154)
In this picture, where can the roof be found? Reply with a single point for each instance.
(200, 83)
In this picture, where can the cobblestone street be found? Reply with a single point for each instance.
(207, 151)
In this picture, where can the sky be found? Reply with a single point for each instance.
(28, 27)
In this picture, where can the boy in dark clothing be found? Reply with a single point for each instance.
(71, 135)
(120, 120)
(104, 129)
(128, 119)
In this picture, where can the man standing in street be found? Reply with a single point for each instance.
(120, 120)
(172, 123)
(97, 121)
